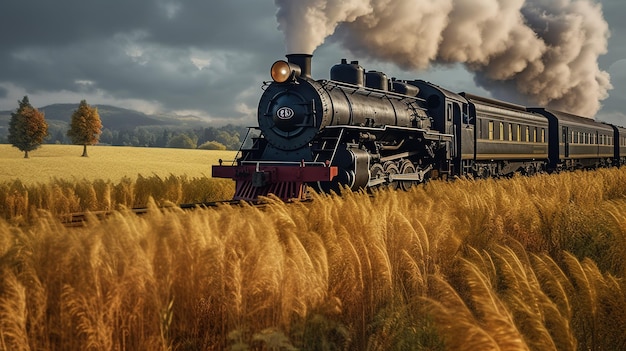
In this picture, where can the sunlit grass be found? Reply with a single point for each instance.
(519, 264)
(56, 179)
(112, 163)
(21, 203)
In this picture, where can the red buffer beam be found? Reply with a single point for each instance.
(285, 181)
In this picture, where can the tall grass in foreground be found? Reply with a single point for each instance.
(522, 264)
(21, 203)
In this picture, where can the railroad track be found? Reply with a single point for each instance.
(78, 219)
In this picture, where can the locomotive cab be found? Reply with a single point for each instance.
(451, 115)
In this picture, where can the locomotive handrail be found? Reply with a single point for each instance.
(307, 163)
(243, 143)
(385, 127)
(339, 137)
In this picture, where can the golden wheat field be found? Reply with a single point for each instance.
(112, 163)
(57, 180)
(533, 263)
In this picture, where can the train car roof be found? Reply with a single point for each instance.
(571, 118)
(494, 102)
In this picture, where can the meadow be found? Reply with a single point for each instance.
(57, 180)
(528, 263)
(108, 163)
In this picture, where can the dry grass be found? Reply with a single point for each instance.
(56, 179)
(108, 163)
(21, 203)
(520, 264)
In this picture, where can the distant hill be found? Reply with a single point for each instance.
(113, 118)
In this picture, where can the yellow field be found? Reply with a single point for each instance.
(104, 162)
(529, 263)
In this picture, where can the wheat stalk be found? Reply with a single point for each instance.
(13, 313)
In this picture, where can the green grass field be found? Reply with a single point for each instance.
(104, 162)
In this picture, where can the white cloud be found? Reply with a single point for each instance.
(84, 82)
(201, 63)
(170, 9)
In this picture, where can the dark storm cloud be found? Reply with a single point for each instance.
(614, 61)
(192, 55)
(206, 57)
(614, 14)
(196, 22)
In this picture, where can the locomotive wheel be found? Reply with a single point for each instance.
(406, 168)
(391, 168)
(377, 172)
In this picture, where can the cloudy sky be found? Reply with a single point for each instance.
(208, 58)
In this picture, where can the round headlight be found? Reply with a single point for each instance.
(282, 71)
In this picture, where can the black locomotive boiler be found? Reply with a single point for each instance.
(362, 130)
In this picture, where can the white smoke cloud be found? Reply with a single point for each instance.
(307, 23)
(547, 50)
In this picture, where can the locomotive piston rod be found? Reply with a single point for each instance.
(417, 176)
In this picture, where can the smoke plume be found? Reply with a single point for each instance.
(544, 50)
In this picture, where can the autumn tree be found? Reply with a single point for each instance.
(27, 128)
(85, 127)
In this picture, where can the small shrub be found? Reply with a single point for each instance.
(212, 145)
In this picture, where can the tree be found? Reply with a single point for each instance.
(27, 128)
(106, 136)
(182, 141)
(164, 140)
(85, 127)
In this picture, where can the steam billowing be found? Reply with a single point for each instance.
(546, 50)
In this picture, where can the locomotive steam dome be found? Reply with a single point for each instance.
(351, 73)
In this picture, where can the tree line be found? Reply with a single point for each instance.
(228, 137)
(28, 130)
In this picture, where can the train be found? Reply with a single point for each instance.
(362, 130)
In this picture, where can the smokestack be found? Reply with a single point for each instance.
(302, 60)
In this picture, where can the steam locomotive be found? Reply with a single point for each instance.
(363, 130)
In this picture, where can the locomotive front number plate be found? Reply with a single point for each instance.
(285, 113)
